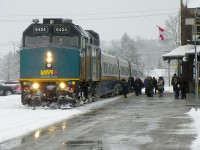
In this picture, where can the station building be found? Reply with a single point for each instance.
(185, 53)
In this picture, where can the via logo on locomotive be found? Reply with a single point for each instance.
(48, 73)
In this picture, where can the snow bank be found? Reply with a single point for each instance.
(196, 117)
(17, 120)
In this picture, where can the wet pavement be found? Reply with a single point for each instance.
(135, 123)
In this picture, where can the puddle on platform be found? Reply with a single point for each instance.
(84, 144)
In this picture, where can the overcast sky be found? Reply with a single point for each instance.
(110, 18)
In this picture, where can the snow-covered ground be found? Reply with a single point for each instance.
(195, 114)
(17, 120)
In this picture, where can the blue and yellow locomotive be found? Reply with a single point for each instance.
(58, 59)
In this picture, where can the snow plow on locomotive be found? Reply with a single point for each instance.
(62, 64)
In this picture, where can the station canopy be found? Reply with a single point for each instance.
(191, 3)
(191, 52)
(178, 53)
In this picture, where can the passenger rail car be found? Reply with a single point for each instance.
(59, 61)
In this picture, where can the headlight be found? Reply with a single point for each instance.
(49, 65)
(49, 54)
(49, 59)
(35, 86)
(62, 85)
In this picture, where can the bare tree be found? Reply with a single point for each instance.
(124, 48)
(173, 30)
(128, 49)
(9, 67)
(112, 48)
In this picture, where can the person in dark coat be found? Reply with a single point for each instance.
(163, 85)
(149, 87)
(174, 80)
(125, 87)
(131, 83)
(183, 86)
(155, 85)
(85, 86)
(137, 86)
(141, 86)
(176, 86)
(145, 83)
(160, 86)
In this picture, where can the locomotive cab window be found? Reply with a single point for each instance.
(68, 41)
(33, 41)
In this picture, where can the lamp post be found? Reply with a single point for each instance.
(169, 72)
(197, 16)
(196, 65)
(168, 69)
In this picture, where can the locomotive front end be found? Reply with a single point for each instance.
(50, 63)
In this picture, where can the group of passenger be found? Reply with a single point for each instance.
(179, 85)
(150, 84)
(132, 85)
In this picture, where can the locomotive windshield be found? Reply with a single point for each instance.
(65, 35)
(71, 41)
(32, 41)
(68, 41)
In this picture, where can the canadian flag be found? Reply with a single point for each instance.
(161, 30)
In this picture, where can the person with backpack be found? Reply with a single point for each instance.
(149, 87)
(125, 86)
(183, 86)
(141, 85)
(155, 85)
(137, 86)
(160, 86)
(176, 85)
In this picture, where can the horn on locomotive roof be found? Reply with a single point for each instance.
(67, 20)
(36, 21)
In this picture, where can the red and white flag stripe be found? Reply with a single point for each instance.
(161, 30)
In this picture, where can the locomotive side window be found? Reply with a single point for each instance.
(135, 73)
(104, 68)
(83, 42)
(71, 41)
(140, 74)
(91, 40)
(124, 70)
(110, 69)
(115, 69)
(31, 41)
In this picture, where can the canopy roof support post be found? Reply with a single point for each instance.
(179, 67)
(169, 71)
